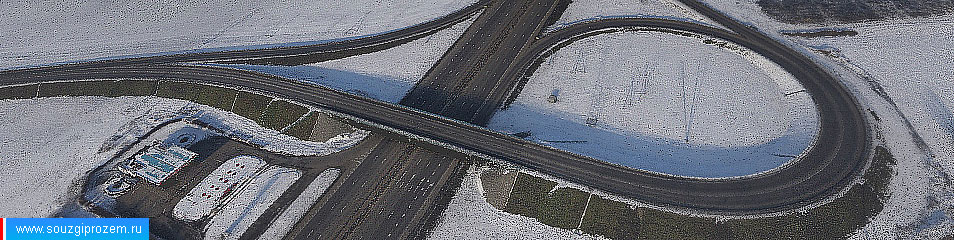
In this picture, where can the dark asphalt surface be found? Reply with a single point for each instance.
(841, 152)
(385, 197)
(470, 70)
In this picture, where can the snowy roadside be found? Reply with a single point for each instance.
(385, 75)
(469, 216)
(899, 69)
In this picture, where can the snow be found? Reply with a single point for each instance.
(284, 223)
(249, 204)
(208, 194)
(469, 216)
(247, 130)
(914, 70)
(385, 75)
(50, 143)
(235, 127)
(40, 32)
(584, 10)
(909, 60)
(665, 103)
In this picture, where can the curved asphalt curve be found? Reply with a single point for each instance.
(830, 165)
(826, 169)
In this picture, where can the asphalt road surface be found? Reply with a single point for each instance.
(783, 189)
(386, 197)
(840, 154)
(457, 85)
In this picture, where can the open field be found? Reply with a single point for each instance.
(57, 31)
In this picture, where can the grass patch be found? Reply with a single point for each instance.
(531, 197)
(18, 92)
(78, 88)
(528, 195)
(250, 105)
(564, 207)
(216, 97)
(177, 90)
(497, 184)
(655, 224)
(329, 126)
(302, 129)
(611, 219)
(280, 114)
(131, 88)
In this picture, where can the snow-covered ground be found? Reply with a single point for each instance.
(582, 10)
(910, 59)
(666, 103)
(205, 197)
(249, 131)
(49, 144)
(385, 75)
(469, 216)
(41, 32)
(248, 205)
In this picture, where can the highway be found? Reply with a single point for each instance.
(386, 197)
(827, 168)
(457, 84)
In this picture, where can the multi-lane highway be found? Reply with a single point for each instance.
(827, 168)
(470, 70)
(386, 197)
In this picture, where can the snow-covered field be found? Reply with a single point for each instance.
(581, 10)
(666, 103)
(50, 143)
(385, 75)
(469, 216)
(910, 59)
(41, 32)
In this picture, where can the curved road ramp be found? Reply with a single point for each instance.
(433, 137)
